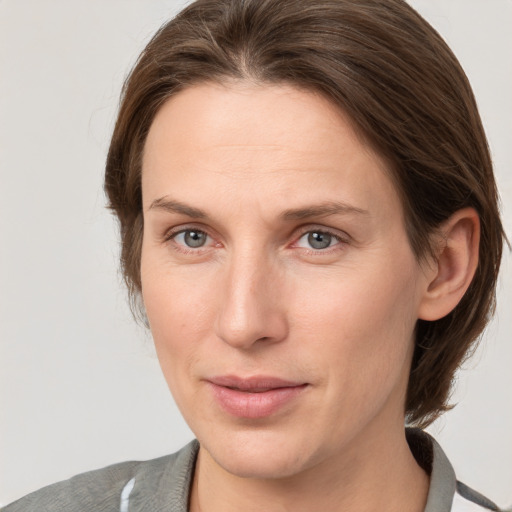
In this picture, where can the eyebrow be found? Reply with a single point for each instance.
(173, 206)
(319, 210)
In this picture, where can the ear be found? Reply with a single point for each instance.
(450, 275)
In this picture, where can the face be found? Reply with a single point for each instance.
(277, 277)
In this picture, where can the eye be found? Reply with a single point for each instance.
(317, 240)
(191, 238)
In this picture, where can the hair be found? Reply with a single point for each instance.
(382, 64)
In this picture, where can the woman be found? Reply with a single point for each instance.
(308, 215)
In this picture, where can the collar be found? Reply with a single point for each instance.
(425, 449)
(433, 460)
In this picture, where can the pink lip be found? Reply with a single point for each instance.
(253, 397)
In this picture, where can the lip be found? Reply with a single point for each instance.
(254, 397)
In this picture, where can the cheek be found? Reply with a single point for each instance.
(365, 350)
(173, 309)
(363, 323)
(178, 307)
(175, 298)
(358, 303)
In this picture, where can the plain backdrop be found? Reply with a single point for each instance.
(80, 386)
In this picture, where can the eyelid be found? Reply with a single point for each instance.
(170, 235)
(175, 230)
(342, 237)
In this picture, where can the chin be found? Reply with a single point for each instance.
(262, 455)
(248, 465)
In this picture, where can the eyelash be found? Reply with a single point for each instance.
(170, 237)
(341, 240)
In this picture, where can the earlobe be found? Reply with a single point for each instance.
(455, 265)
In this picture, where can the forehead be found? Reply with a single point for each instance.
(252, 141)
(252, 116)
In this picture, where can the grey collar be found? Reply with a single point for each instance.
(433, 460)
(427, 452)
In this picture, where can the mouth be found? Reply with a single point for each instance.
(254, 397)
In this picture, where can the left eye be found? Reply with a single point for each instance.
(192, 238)
(317, 240)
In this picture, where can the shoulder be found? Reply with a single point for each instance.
(112, 487)
(94, 490)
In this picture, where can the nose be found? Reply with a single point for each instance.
(252, 309)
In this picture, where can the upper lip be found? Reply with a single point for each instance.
(254, 383)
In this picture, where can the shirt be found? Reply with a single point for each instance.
(163, 485)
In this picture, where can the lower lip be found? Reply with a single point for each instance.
(254, 405)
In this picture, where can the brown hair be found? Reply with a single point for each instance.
(390, 71)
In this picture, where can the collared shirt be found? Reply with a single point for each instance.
(446, 493)
(163, 485)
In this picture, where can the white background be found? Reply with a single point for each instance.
(80, 386)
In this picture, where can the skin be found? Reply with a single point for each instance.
(255, 298)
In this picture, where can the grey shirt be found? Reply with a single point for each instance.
(163, 484)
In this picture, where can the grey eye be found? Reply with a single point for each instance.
(318, 239)
(191, 238)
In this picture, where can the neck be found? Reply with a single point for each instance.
(381, 475)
